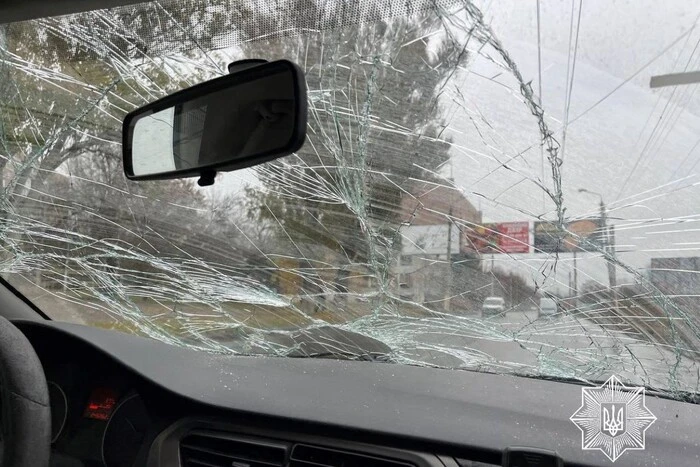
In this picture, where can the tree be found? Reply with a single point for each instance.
(514, 288)
(375, 128)
(66, 85)
(375, 125)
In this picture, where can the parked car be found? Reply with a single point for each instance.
(548, 306)
(493, 305)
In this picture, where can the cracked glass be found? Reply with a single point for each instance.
(487, 186)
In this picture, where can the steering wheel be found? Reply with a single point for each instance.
(25, 413)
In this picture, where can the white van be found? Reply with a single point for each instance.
(548, 306)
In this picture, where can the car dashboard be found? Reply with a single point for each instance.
(121, 401)
(101, 413)
(106, 415)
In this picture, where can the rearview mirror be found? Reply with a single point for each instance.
(239, 120)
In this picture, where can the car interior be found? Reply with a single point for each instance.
(73, 395)
(119, 400)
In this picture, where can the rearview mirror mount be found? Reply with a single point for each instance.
(253, 115)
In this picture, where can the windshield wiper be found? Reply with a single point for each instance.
(339, 355)
(682, 396)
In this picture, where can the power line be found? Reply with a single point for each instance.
(653, 134)
(568, 70)
(570, 84)
(539, 91)
(690, 152)
(625, 81)
(676, 109)
(658, 99)
(632, 76)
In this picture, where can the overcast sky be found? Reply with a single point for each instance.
(634, 146)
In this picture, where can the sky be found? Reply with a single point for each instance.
(635, 147)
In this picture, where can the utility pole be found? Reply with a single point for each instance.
(608, 240)
(609, 244)
(493, 276)
(612, 271)
(510, 289)
(450, 279)
(448, 292)
(575, 289)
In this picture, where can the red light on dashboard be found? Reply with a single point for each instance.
(101, 404)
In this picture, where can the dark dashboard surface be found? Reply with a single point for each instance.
(102, 413)
(454, 413)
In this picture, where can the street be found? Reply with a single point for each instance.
(560, 345)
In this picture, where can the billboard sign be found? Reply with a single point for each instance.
(429, 239)
(578, 236)
(502, 237)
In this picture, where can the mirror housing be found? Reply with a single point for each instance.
(254, 115)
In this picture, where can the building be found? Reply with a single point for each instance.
(430, 204)
(433, 217)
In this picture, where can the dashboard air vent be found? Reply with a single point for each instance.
(313, 456)
(212, 449)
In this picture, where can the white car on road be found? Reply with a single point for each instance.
(493, 306)
(548, 306)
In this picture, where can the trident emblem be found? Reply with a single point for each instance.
(613, 418)
(606, 413)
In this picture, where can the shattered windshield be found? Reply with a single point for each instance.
(455, 151)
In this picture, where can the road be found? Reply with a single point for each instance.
(518, 340)
(560, 345)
